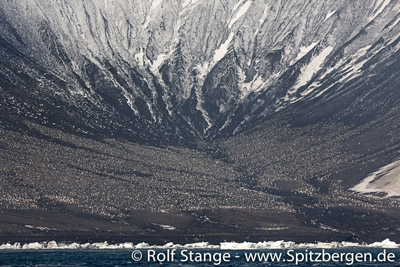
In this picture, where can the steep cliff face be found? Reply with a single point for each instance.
(178, 70)
(94, 94)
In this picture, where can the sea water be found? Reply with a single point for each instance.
(272, 253)
(201, 257)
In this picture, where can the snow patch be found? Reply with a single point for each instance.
(243, 9)
(307, 72)
(255, 85)
(155, 4)
(304, 50)
(139, 57)
(167, 227)
(41, 228)
(311, 68)
(385, 180)
(329, 15)
(381, 4)
(203, 70)
(394, 24)
(129, 100)
(199, 107)
(153, 7)
(223, 48)
(264, 15)
(326, 227)
(397, 47)
(188, 3)
(262, 20)
(352, 69)
(157, 63)
(238, 4)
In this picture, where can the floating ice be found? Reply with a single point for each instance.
(349, 244)
(35, 245)
(200, 245)
(384, 244)
(328, 245)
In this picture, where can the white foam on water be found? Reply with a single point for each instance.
(200, 245)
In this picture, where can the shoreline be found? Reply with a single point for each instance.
(53, 245)
(159, 228)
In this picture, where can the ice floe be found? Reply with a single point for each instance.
(200, 245)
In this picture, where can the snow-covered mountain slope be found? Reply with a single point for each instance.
(95, 95)
(385, 181)
(182, 69)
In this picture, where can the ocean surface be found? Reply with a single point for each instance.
(200, 257)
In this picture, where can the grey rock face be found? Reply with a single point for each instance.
(186, 69)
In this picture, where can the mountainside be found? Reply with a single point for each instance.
(225, 119)
(183, 69)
